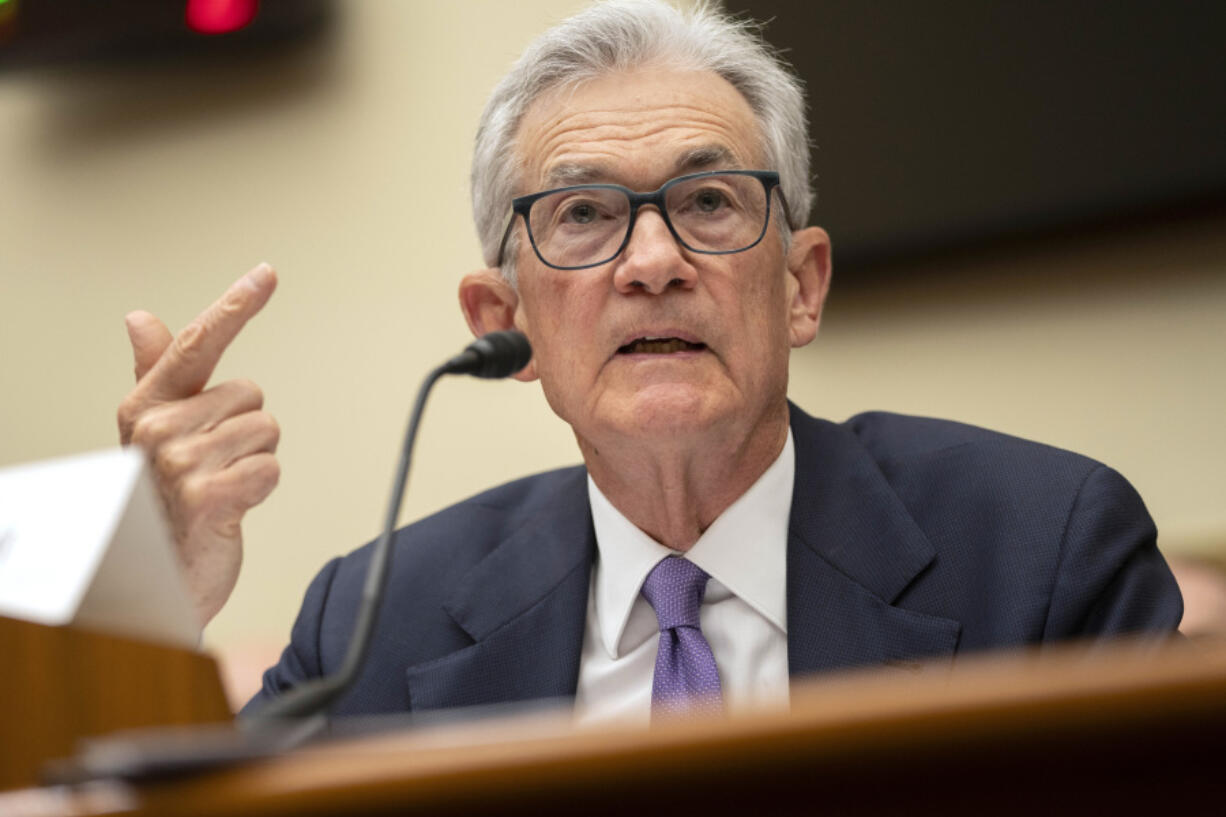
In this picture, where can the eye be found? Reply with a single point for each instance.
(579, 212)
(710, 200)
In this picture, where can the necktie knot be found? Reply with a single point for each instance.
(674, 589)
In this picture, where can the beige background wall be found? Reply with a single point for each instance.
(346, 167)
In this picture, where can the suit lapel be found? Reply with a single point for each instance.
(524, 605)
(852, 550)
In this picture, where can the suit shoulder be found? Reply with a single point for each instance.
(928, 460)
(890, 437)
(461, 534)
(431, 556)
(516, 501)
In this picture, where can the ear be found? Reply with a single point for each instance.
(808, 282)
(490, 304)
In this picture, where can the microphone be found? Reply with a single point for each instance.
(497, 354)
(298, 715)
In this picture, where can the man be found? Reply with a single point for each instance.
(640, 186)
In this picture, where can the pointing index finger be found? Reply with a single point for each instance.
(185, 367)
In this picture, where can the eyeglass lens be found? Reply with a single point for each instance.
(587, 225)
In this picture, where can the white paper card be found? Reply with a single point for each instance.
(83, 541)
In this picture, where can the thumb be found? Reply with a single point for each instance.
(149, 337)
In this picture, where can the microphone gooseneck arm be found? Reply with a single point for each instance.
(498, 354)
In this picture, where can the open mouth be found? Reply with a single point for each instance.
(659, 346)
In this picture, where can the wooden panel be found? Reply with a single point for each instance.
(1120, 731)
(58, 684)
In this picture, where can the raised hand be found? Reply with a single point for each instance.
(212, 450)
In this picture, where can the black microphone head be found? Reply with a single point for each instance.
(499, 354)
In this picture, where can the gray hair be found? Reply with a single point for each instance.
(620, 35)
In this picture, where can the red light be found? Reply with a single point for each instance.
(220, 16)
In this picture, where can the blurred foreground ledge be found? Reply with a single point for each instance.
(1129, 728)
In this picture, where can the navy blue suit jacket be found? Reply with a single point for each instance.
(909, 539)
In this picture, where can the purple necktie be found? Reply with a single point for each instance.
(686, 678)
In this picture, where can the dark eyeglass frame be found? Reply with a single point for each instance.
(521, 206)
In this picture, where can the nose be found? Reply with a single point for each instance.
(653, 261)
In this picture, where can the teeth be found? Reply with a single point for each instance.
(659, 346)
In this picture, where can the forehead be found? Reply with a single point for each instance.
(636, 128)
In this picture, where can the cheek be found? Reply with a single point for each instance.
(560, 326)
(763, 302)
(767, 340)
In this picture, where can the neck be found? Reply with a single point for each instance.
(673, 489)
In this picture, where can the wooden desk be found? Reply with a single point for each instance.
(1123, 732)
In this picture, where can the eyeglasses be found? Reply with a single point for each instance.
(720, 212)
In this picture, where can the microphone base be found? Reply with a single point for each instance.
(174, 752)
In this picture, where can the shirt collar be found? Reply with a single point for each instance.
(744, 549)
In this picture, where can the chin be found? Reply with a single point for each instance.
(670, 410)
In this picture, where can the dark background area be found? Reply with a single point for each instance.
(37, 34)
(938, 126)
(959, 123)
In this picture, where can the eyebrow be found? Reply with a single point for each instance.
(695, 159)
(703, 157)
(568, 174)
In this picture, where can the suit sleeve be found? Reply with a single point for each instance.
(301, 659)
(1111, 579)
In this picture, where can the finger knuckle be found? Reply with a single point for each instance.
(269, 426)
(232, 303)
(264, 478)
(174, 459)
(151, 428)
(190, 493)
(190, 341)
(126, 417)
(272, 472)
(249, 391)
(197, 494)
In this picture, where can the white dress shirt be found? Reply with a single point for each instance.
(743, 615)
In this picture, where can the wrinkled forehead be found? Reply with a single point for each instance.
(636, 128)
